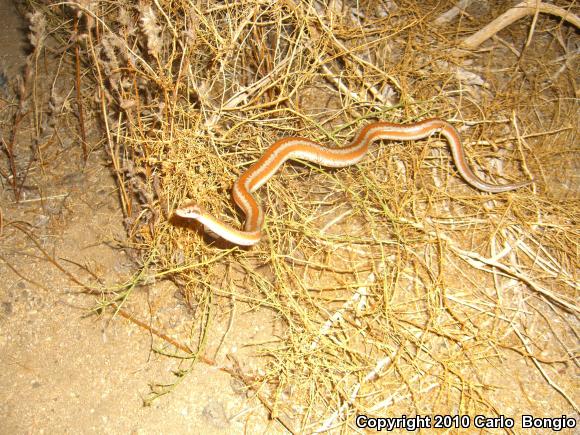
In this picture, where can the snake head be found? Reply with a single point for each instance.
(190, 210)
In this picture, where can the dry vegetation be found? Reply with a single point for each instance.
(395, 288)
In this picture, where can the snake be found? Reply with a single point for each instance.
(303, 149)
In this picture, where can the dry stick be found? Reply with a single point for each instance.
(174, 343)
(123, 195)
(532, 26)
(9, 147)
(446, 17)
(23, 276)
(519, 11)
(78, 88)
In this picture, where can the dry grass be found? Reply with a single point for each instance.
(397, 285)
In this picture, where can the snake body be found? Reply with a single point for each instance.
(300, 148)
